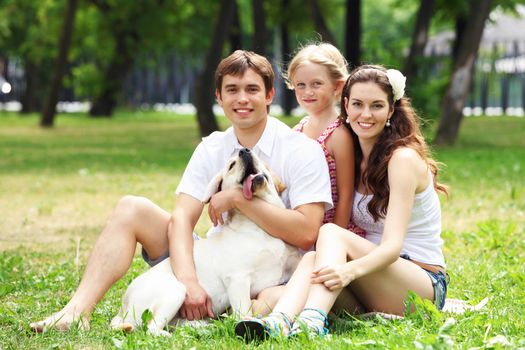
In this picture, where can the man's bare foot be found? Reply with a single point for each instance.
(62, 321)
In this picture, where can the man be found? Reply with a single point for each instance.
(244, 89)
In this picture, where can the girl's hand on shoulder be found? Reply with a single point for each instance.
(335, 276)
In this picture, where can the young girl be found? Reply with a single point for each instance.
(317, 74)
(396, 203)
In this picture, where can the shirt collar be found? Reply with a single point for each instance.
(265, 143)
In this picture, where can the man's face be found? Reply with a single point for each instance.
(244, 99)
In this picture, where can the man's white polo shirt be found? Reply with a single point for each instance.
(298, 160)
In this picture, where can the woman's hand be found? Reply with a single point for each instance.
(335, 276)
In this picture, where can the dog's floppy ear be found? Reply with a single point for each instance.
(213, 187)
(279, 185)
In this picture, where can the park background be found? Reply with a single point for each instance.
(101, 98)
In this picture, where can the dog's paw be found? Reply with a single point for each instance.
(118, 324)
(127, 327)
(159, 332)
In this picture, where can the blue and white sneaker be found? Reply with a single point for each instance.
(275, 325)
(310, 322)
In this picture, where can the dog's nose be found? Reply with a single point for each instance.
(244, 151)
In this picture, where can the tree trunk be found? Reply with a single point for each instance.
(204, 91)
(459, 28)
(4, 74)
(4, 62)
(461, 75)
(353, 32)
(259, 27)
(235, 31)
(484, 92)
(48, 114)
(29, 95)
(104, 104)
(320, 24)
(505, 87)
(287, 95)
(523, 92)
(419, 38)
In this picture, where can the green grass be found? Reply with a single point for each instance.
(58, 186)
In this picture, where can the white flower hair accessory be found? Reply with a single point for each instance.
(397, 80)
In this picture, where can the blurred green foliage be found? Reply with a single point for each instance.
(153, 29)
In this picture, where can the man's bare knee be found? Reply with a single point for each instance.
(128, 210)
(130, 202)
(142, 220)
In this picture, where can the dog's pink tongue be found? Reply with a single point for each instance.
(247, 187)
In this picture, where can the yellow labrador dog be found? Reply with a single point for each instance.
(233, 266)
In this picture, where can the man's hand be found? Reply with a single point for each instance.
(334, 276)
(222, 202)
(197, 304)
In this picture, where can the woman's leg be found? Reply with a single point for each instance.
(291, 301)
(296, 290)
(383, 291)
(266, 300)
(289, 298)
(347, 302)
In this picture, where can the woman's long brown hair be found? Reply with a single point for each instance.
(404, 131)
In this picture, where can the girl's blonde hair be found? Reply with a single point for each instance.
(324, 54)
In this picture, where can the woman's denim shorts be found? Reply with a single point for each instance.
(439, 282)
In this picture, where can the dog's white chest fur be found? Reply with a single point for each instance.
(249, 255)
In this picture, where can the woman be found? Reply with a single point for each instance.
(396, 203)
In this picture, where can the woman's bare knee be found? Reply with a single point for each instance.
(331, 235)
(308, 257)
(327, 234)
(329, 227)
(306, 265)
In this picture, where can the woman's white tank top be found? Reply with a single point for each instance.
(423, 237)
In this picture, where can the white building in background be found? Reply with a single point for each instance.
(499, 81)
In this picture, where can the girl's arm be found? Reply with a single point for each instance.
(341, 146)
(407, 173)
